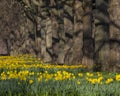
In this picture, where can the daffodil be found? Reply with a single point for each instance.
(31, 81)
(78, 82)
(80, 74)
(109, 80)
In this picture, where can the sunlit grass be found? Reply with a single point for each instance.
(29, 76)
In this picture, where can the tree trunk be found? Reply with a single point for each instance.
(3, 47)
(54, 29)
(49, 39)
(101, 36)
(68, 29)
(61, 32)
(78, 33)
(114, 11)
(88, 47)
(55, 40)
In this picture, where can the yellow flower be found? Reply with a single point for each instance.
(3, 76)
(100, 79)
(18, 83)
(23, 78)
(94, 80)
(40, 78)
(89, 74)
(78, 82)
(99, 74)
(117, 77)
(109, 80)
(80, 74)
(31, 73)
(31, 81)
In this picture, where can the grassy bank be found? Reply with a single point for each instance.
(28, 76)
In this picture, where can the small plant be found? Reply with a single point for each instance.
(28, 76)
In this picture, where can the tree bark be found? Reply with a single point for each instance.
(68, 29)
(114, 11)
(49, 39)
(61, 32)
(88, 47)
(101, 36)
(78, 33)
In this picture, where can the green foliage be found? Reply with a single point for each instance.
(28, 76)
(58, 88)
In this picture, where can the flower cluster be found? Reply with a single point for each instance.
(29, 69)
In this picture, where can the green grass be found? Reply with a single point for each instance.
(58, 88)
(77, 86)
